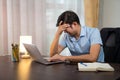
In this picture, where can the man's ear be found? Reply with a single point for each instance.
(75, 23)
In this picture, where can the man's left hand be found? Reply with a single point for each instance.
(57, 57)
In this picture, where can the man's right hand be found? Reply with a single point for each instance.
(62, 27)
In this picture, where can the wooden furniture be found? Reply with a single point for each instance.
(27, 69)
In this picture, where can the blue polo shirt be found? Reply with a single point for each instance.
(88, 37)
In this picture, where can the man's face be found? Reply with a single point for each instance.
(71, 30)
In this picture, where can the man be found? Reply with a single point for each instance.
(83, 42)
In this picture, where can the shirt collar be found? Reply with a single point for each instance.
(82, 33)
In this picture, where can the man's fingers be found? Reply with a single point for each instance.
(60, 22)
(52, 59)
(67, 25)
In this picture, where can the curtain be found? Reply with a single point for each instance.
(91, 12)
(33, 17)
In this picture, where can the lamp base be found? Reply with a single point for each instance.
(25, 56)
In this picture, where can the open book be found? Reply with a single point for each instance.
(95, 67)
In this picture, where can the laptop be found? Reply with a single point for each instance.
(36, 55)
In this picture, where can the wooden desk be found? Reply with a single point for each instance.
(28, 70)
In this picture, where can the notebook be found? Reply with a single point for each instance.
(36, 55)
(96, 66)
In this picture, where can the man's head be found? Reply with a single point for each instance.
(70, 18)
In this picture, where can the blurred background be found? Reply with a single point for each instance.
(37, 18)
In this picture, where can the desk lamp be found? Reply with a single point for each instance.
(27, 40)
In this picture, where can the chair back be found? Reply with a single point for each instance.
(110, 46)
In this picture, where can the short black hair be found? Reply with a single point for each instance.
(68, 17)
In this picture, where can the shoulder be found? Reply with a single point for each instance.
(90, 30)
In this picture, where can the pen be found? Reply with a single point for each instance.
(83, 64)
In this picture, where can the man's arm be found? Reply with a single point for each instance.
(90, 57)
(55, 48)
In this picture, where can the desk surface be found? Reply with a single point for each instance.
(28, 70)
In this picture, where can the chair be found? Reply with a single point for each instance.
(111, 44)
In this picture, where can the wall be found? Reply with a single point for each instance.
(109, 15)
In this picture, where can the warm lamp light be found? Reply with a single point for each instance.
(27, 40)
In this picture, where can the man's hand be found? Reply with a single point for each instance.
(57, 57)
(62, 28)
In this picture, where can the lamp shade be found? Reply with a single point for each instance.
(24, 39)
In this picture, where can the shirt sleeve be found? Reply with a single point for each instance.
(62, 40)
(95, 37)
